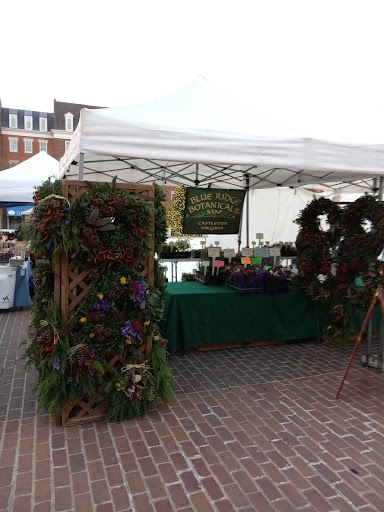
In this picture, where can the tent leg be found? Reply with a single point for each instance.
(80, 174)
(381, 188)
(239, 235)
(247, 208)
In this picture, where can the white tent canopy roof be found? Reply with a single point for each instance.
(17, 183)
(164, 140)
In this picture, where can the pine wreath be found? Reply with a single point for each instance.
(316, 248)
(120, 310)
(360, 242)
(114, 226)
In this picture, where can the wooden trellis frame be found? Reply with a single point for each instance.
(72, 282)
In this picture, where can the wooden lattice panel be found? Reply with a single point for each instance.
(72, 283)
(86, 410)
(76, 278)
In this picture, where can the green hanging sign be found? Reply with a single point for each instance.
(212, 211)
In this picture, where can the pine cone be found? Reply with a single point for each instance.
(143, 316)
(94, 240)
(129, 248)
(119, 207)
(45, 207)
(44, 336)
(87, 233)
(93, 353)
(115, 290)
(80, 355)
(56, 204)
(100, 338)
(37, 281)
(108, 332)
(98, 329)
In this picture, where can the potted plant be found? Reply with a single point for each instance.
(176, 250)
(187, 277)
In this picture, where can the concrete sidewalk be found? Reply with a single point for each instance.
(254, 429)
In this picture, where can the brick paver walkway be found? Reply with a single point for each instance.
(250, 430)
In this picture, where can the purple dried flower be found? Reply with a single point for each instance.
(66, 222)
(140, 292)
(129, 332)
(35, 219)
(48, 246)
(69, 380)
(103, 305)
(67, 209)
(56, 364)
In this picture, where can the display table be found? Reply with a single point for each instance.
(196, 314)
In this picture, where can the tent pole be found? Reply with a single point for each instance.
(80, 174)
(197, 175)
(239, 235)
(381, 188)
(247, 207)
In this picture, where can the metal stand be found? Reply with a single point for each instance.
(378, 297)
(174, 263)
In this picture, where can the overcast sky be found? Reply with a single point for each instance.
(313, 66)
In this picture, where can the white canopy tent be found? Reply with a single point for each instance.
(196, 136)
(17, 183)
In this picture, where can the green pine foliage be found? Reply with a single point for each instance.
(50, 230)
(161, 371)
(159, 276)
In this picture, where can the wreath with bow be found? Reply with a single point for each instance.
(113, 226)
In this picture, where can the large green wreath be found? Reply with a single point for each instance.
(120, 310)
(113, 226)
(341, 266)
(316, 248)
(360, 243)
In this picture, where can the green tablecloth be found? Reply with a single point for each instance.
(197, 314)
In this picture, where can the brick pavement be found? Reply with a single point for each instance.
(242, 433)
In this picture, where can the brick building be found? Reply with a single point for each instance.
(24, 133)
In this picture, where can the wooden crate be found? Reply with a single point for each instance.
(72, 282)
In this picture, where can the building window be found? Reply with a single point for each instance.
(12, 163)
(12, 120)
(28, 123)
(68, 122)
(28, 146)
(43, 124)
(13, 145)
(43, 145)
(67, 143)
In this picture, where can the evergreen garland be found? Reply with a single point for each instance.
(50, 230)
(130, 398)
(161, 370)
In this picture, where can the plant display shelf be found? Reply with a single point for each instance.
(242, 287)
(209, 279)
(72, 283)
